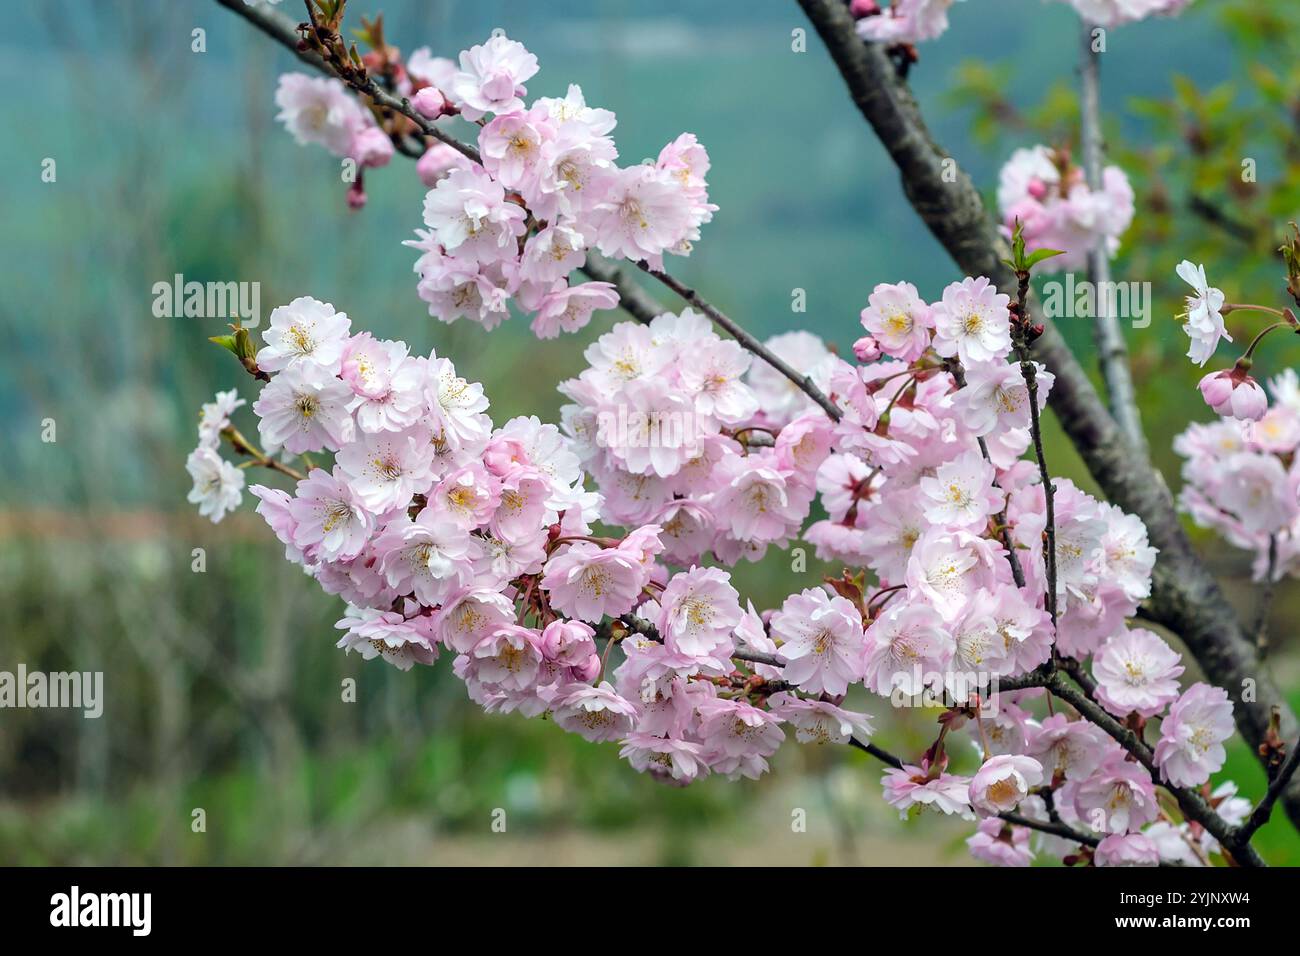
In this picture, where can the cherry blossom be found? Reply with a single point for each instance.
(1192, 735)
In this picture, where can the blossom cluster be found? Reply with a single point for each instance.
(1241, 479)
(662, 420)
(320, 111)
(899, 22)
(445, 534)
(546, 189)
(1049, 195)
(520, 549)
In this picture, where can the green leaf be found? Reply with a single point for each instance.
(226, 342)
(1038, 255)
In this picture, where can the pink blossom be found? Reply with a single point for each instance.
(1000, 843)
(319, 110)
(469, 615)
(906, 646)
(595, 713)
(821, 639)
(387, 382)
(425, 556)
(1126, 849)
(1136, 671)
(1003, 781)
(899, 320)
(387, 468)
(1119, 796)
(491, 77)
(738, 737)
(962, 493)
(906, 21)
(1058, 210)
(327, 518)
(589, 582)
(218, 485)
(568, 642)
(700, 609)
(371, 147)
(779, 398)
(429, 102)
(1190, 748)
(568, 308)
(439, 160)
(305, 330)
(972, 322)
(996, 398)
(819, 721)
(1067, 749)
(923, 787)
(304, 409)
(372, 633)
(1204, 322)
(678, 760)
(511, 147)
(552, 253)
(471, 217)
(645, 213)
(507, 657)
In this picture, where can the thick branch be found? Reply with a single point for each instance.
(1185, 597)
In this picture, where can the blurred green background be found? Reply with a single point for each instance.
(223, 688)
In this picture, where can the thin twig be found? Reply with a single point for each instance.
(693, 298)
(1055, 828)
(1112, 354)
(1000, 519)
(1264, 810)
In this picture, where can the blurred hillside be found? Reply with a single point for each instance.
(224, 687)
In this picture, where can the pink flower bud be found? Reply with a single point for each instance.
(438, 160)
(429, 103)
(1037, 188)
(588, 670)
(372, 147)
(1234, 394)
(866, 349)
(502, 455)
(568, 642)
(356, 195)
(863, 8)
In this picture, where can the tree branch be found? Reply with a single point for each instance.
(1276, 787)
(1112, 354)
(692, 298)
(1194, 806)
(1185, 597)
